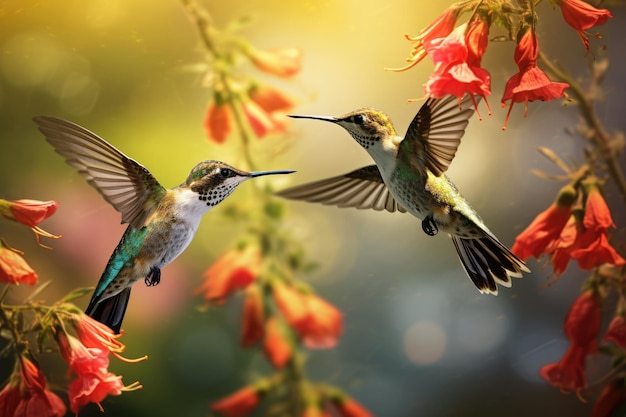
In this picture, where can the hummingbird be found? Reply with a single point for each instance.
(161, 221)
(409, 176)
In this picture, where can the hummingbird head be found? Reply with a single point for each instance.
(371, 128)
(213, 181)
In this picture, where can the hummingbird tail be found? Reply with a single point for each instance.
(110, 311)
(488, 262)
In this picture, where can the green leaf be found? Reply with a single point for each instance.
(79, 292)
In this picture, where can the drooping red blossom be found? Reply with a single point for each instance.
(234, 270)
(568, 374)
(582, 326)
(457, 60)
(594, 249)
(253, 317)
(238, 404)
(35, 398)
(93, 381)
(582, 16)
(530, 83)
(546, 227)
(276, 347)
(13, 268)
(348, 407)
(560, 250)
(10, 397)
(616, 332)
(281, 62)
(30, 213)
(263, 123)
(317, 322)
(218, 121)
(271, 99)
(440, 28)
(612, 396)
(94, 334)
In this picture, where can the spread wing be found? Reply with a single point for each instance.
(437, 129)
(362, 189)
(123, 182)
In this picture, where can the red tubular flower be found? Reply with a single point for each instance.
(29, 213)
(582, 16)
(36, 400)
(440, 28)
(93, 381)
(594, 248)
(530, 83)
(323, 325)
(582, 326)
(616, 332)
(546, 227)
(560, 250)
(457, 60)
(281, 62)
(317, 322)
(270, 99)
(234, 270)
(253, 317)
(612, 396)
(238, 404)
(276, 347)
(13, 268)
(262, 122)
(218, 121)
(10, 397)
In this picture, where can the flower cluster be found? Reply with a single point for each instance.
(457, 52)
(13, 267)
(239, 102)
(26, 393)
(281, 316)
(572, 228)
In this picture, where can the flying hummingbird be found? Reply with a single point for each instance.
(162, 222)
(409, 175)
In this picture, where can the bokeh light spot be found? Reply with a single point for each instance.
(425, 342)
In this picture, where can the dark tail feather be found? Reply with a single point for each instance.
(488, 262)
(110, 311)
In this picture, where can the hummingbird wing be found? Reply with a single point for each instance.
(127, 185)
(363, 189)
(436, 130)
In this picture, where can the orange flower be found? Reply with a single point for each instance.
(233, 270)
(317, 322)
(253, 316)
(13, 268)
(218, 121)
(238, 404)
(546, 227)
(35, 399)
(262, 122)
(440, 28)
(29, 213)
(530, 83)
(281, 62)
(276, 347)
(582, 16)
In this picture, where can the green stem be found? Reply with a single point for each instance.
(600, 137)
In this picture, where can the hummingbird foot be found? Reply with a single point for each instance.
(154, 277)
(429, 226)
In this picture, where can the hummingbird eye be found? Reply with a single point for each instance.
(225, 172)
(358, 119)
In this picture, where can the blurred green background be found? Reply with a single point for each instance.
(419, 339)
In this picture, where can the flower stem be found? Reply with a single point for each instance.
(600, 137)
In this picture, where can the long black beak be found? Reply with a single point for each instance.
(261, 173)
(324, 118)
